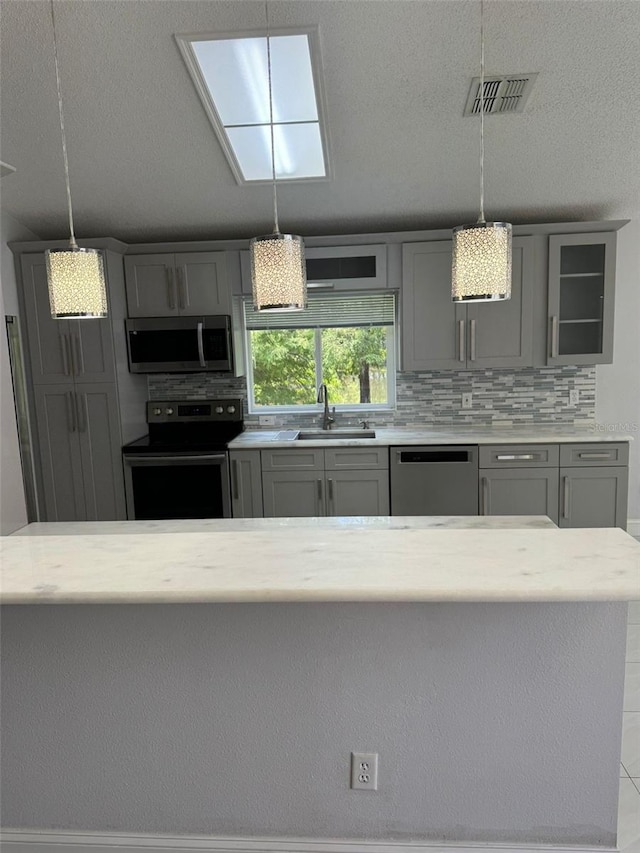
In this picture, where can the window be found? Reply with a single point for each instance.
(347, 342)
(231, 76)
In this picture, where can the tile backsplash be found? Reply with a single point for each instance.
(500, 397)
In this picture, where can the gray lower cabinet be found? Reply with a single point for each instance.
(340, 481)
(519, 491)
(246, 484)
(80, 458)
(594, 496)
(293, 494)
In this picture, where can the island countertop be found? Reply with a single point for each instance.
(307, 562)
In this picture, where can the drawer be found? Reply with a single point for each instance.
(598, 453)
(519, 456)
(339, 458)
(296, 459)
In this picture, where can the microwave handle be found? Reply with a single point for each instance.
(203, 363)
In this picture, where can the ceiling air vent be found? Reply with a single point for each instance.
(505, 94)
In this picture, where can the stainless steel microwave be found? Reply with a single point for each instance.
(180, 344)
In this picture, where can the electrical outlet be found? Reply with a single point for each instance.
(364, 771)
(574, 397)
(267, 420)
(466, 401)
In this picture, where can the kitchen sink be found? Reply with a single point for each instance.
(335, 434)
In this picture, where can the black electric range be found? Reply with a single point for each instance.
(181, 468)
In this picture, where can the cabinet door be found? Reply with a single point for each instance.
(433, 327)
(358, 492)
(293, 494)
(593, 497)
(581, 298)
(100, 449)
(500, 334)
(92, 355)
(519, 491)
(246, 484)
(48, 339)
(151, 286)
(59, 450)
(202, 283)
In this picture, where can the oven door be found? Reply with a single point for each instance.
(179, 344)
(177, 486)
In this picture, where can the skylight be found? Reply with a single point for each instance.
(231, 75)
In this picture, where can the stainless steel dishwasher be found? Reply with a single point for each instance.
(435, 480)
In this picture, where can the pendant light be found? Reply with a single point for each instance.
(278, 271)
(76, 279)
(481, 266)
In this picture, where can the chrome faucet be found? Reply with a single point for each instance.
(328, 419)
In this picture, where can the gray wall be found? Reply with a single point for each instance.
(493, 723)
(618, 384)
(13, 511)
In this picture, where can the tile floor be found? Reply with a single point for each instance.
(629, 806)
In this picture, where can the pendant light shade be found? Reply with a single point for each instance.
(481, 260)
(278, 272)
(76, 277)
(481, 267)
(77, 286)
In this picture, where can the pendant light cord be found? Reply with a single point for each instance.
(481, 217)
(276, 226)
(74, 245)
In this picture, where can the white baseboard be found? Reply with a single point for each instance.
(41, 841)
(633, 526)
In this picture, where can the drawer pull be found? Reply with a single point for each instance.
(594, 455)
(512, 456)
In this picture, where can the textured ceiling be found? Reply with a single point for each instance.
(146, 165)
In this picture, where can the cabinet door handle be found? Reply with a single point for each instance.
(319, 496)
(71, 413)
(461, 356)
(566, 506)
(330, 484)
(78, 361)
(472, 336)
(235, 486)
(594, 456)
(484, 509)
(170, 295)
(554, 336)
(182, 289)
(64, 345)
(81, 403)
(203, 363)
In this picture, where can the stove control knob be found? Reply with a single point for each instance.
(157, 412)
(168, 410)
(219, 410)
(231, 409)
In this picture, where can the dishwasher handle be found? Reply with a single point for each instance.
(426, 457)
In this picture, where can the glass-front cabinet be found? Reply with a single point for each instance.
(581, 298)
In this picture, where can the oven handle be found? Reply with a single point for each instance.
(203, 363)
(149, 459)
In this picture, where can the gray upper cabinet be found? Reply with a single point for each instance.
(433, 326)
(500, 334)
(183, 284)
(581, 298)
(246, 484)
(438, 334)
(62, 350)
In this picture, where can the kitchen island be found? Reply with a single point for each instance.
(216, 681)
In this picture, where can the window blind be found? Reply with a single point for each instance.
(328, 311)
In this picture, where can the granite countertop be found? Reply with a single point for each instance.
(309, 562)
(263, 439)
